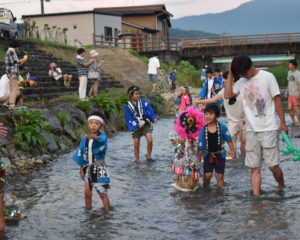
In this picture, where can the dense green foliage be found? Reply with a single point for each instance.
(2, 53)
(187, 74)
(280, 72)
(84, 106)
(29, 125)
(62, 117)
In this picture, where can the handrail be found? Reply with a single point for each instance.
(146, 43)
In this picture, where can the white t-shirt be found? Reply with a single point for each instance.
(4, 86)
(257, 96)
(55, 75)
(293, 83)
(210, 83)
(234, 111)
(153, 65)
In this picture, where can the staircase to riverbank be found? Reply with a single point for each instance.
(46, 87)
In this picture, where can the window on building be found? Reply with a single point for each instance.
(108, 33)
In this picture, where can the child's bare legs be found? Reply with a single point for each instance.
(220, 179)
(149, 144)
(136, 147)
(292, 113)
(206, 179)
(87, 195)
(243, 144)
(105, 201)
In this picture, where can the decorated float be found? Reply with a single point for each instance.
(187, 167)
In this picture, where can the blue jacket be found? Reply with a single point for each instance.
(178, 100)
(131, 121)
(225, 137)
(217, 85)
(172, 77)
(99, 149)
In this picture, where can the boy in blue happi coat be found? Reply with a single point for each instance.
(139, 117)
(90, 156)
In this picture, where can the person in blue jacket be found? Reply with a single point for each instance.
(139, 117)
(90, 156)
(211, 87)
(211, 145)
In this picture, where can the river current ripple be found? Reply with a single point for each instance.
(146, 206)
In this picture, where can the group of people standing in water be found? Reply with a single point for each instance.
(253, 106)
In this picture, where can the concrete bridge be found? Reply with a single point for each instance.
(260, 44)
(207, 47)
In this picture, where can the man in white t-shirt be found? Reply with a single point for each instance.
(261, 100)
(153, 70)
(235, 115)
(293, 91)
(4, 89)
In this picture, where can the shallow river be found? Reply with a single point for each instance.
(146, 206)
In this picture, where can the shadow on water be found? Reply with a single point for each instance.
(145, 206)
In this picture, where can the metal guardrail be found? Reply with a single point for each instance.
(139, 42)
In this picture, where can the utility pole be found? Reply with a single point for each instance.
(42, 6)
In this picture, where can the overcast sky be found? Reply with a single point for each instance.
(179, 8)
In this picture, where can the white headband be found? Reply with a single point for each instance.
(94, 117)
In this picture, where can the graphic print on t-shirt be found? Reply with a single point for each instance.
(254, 100)
(292, 78)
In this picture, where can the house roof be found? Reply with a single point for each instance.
(139, 26)
(138, 10)
(72, 13)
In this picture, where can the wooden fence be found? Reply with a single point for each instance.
(137, 42)
(142, 43)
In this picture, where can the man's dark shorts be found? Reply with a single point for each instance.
(142, 131)
(153, 78)
(210, 167)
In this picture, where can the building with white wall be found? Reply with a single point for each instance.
(80, 25)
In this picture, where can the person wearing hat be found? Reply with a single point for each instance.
(56, 73)
(184, 99)
(94, 73)
(139, 117)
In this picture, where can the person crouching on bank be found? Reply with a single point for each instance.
(139, 117)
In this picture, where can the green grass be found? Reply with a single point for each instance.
(2, 53)
(50, 43)
(280, 72)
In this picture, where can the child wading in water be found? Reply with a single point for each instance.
(139, 117)
(210, 145)
(91, 157)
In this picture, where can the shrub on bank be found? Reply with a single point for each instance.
(28, 127)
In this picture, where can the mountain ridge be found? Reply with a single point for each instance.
(255, 17)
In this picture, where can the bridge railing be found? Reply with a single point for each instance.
(138, 42)
(217, 41)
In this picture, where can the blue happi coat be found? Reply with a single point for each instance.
(131, 121)
(99, 149)
(225, 137)
(218, 84)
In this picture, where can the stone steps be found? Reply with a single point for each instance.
(47, 88)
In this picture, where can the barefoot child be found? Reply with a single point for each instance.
(211, 145)
(139, 117)
(90, 156)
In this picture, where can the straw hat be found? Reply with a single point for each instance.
(53, 65)
(94, 53)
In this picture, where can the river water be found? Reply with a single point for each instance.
(146, 206)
